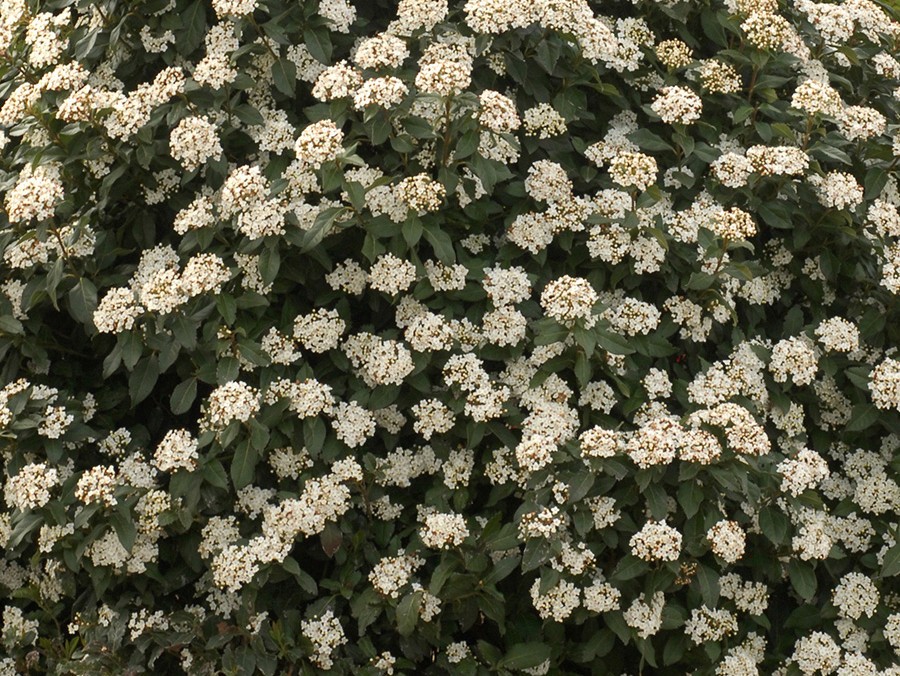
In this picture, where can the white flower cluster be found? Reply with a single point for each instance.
(327, 635)
(568, 299)
(320, 330)
(543, 121)
(35, 194)
(235, 400)
(177, 450)
(795, 357)
(633, 170)
(838, 335)
(97, 484)
(656, 541)
(319, 143)
(392, 573)
(498, 112)
(727, 540)
(194, 141)
(707, 624)
(645, 615)
(884, 384)
(856, 595)
(30, 487)
(556, 603)
(807, 469)
(837, 190)
(444, 530)
(677, 105)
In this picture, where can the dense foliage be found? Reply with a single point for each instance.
(542, 336)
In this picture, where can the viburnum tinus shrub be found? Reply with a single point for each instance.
(537, 336)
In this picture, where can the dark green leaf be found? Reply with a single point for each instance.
(803, 578)
(183, 396)
(284, 74)
(890, 566)
(441, 242)
(123, 523)
(83, 300)
(707, 582)
(613, 342)
(628, 568)
(143, 379)
(647, 140)
(526, 655)
(319, 44)
(214, 474)
(243, 465)
(862, 417)
(408, 612)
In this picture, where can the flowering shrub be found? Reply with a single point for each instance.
(425, 337)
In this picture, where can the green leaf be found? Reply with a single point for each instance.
(677, 644)
(712, 23)
(526, 655)
(243, 464)
(143, 379)
(875, 182)
(379, 128)
(284, 74)
(331, 539)
(862, 417)
(11, 325)
(690, 496)
(803, 578)
(306, 581)
(775, 215)
(227, 370)
(467, 145)
(408, 612)
(214, 474)
(314, 434)
(249, 115)
(412, 231)
(269, 264)
(318, 42)
(320, 228)
(227, 307)
(357, 194)
(830, 152)
(579, 485)
(501, 569)
(183, 396)
(647, 140)
(582, 368)
(628, 568)
(774, 524)
(194, 18)
(259, 435)
(613, 342)
(645, 647)
(83, 301)
(657, 501)
(536, 552)
(123, 523)
(859, 376)
(441, 242)
(890, 567)
(707, 583)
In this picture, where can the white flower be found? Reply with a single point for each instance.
(677, 105)
(194, 141)
(656, 541)
(444, 530)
